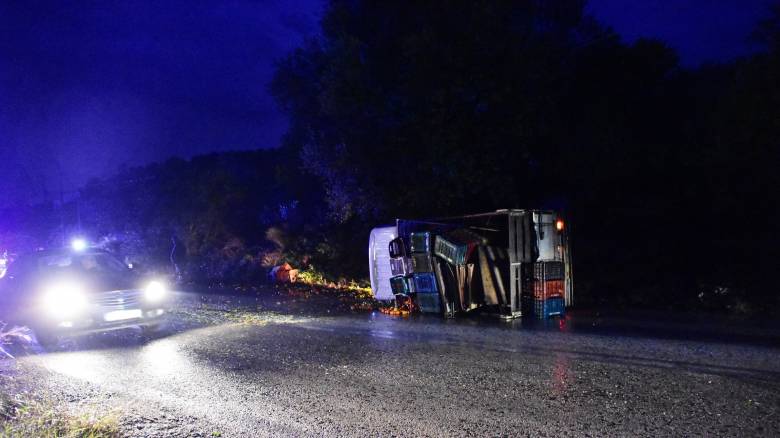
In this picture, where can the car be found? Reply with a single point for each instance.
(71, 291)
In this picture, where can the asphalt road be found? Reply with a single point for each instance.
(215, 373)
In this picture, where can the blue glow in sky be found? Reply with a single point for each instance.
(88, 87)
(700, 30)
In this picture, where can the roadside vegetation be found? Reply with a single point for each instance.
(22, 415)
(12, 336)
(30, 418)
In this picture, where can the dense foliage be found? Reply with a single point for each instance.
(667, 175)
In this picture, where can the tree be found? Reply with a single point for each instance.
(424, 109)
(420, 110)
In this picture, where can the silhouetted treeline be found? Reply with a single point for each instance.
(667, 175)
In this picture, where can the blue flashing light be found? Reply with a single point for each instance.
(78, 244)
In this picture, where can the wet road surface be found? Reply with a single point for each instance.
(270, 374)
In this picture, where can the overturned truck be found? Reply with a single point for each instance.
(508, 263)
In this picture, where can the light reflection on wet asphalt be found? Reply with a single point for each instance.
(373, 374)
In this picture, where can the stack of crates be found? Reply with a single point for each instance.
(399, 267)
(543, 289)
(422, 278)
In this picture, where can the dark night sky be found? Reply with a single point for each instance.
(86, 87)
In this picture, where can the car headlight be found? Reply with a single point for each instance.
(155, 291)
(64, 300)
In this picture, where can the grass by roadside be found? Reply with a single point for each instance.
(297, 298)
(22, 415)
(26, 417)
(207, 314)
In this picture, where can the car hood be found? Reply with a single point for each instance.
(105, 283)
(97, 283)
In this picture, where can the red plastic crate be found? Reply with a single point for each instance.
(542, 290)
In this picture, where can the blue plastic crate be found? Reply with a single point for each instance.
(399, 266)
(424, 282)
(420, 242)
(421, 263)
(452, 253)
(400, 285)
(428, 303)
(397, 248)
(457, 246)
(544, 309)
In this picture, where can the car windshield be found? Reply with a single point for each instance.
(91, 263)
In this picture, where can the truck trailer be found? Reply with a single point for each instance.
(507, 263)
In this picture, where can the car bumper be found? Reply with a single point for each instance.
(109, 320)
